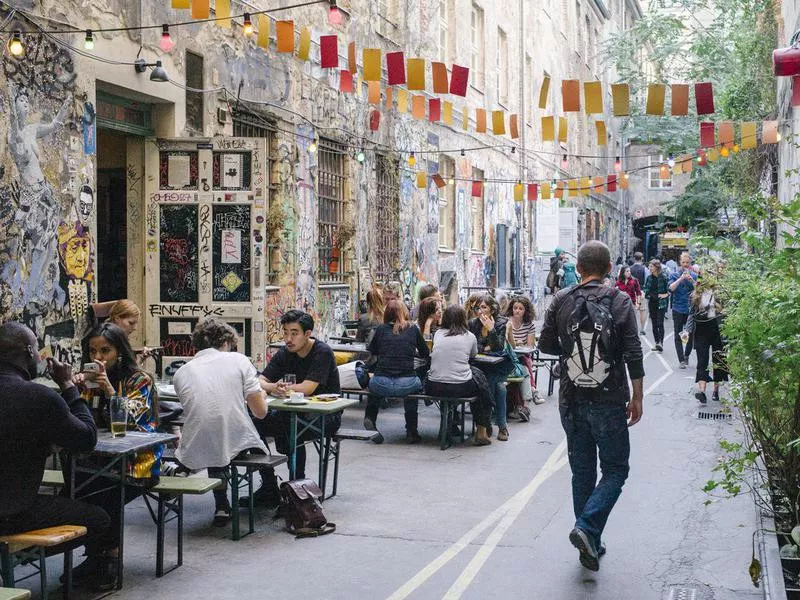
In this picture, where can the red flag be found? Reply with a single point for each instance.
(374, 120)
(458, 80)
(704, 96)
(477, 189)
(345, 81)
(611, 183)
(533, 191)
(707, 134)
(329, 51)
(796, 90)
(434, 110)
(438, 180)
(396, 68)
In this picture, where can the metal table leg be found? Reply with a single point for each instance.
(322, 454)
(123, 470)
(292, 445)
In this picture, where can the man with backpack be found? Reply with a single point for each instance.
(593, 329)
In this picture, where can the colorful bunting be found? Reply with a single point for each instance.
(284, 31)
(422, 180)
(571, 95)
(749, 135)
(346, 82)
(585, 186)
(713, 155)
(374, 92)
(181, 3)
(704, 97)
(439, 75)
(464, 118)
(707, 134)
(459, 80)
(543, 92)
(396, 68)
(545, 191)
(263, 31)
(796, 90)
(548, 129)
(513, 126)
(352, 65)
(593, 92)
(480, 120)
(602, 135)
(611, 183)
(769, 132)
(374, 119)
(498, 122)
(447, 112)
(655, 99)
(477, 189)
(623, 181)
(418, 107)
(621, 99)
(562, 129)
(680, 99)
(725, 133)
(519, 192)
(561, 187)
(438, 180)
(402, 101)
(304, 48)
(598, 184)
(371, 58)
(201, 9)
(389, 98)
(533, 192)
(416, 73)
(434, 110)
(223, 13)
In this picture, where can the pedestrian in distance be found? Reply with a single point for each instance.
(630, 285)
(705, 323)
(639, 271)
(594, 331)
(656, 290)
(681, 286)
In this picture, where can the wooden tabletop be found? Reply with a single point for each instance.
(313, 406)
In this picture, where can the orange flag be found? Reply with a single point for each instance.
(480, 120)
(418, 107)
(680, 99)
(599, 183)
(621, 99)
(602, 135)
(593, 91)
(571, 95)
(284, 30)
(543, 92)
(499, 122)
(439, 74)
(415, 69)
(655, 98)
(374, 92)
(389, 98)
(548, 129)
(725, 133)
(513, 126)
(201, 9)
(769, 132)
(372, 64)
(352, 66)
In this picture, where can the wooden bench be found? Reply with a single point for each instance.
(355, 392)
(445, 404)
(363, 435)
(250, 463)
(29, 547)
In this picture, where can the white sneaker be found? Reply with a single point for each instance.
(537, 398)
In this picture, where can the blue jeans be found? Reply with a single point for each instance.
(382, 386)
(592, 429)
(497, 384)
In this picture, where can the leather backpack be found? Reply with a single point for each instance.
(303, 509)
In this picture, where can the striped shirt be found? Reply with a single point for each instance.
(521, 335)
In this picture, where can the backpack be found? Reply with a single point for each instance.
(303, 509)
(589, 342)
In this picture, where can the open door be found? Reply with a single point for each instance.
(204, 231)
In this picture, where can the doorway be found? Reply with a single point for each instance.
(112, 217)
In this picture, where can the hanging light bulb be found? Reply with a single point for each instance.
(88, 41)
(701, 158)
(334, 15)
(462, 152)
(724, 151)
(15, 46)
(735, 148)
(412, 160)
(360, 157)
(312, 147)
(778, 136)
(671, 161)
(513, 149)
(618, 165)
(166, 42)
(451, 181)
(247, 24)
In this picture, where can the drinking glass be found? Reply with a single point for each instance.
(290, 379)
(118, 412)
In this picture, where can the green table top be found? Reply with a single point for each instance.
(313, 406)
(14, 594)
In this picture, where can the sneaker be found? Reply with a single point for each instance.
(715, 395)
(701, 397)
(684, 364)
(525, 414)
(514, 414)
(538, 398)
(222, 517)
(263, 496)
(659, 348)
(601, 550)
(369, 425)
(502, 434)
(84, 571)
(412, 437)
(588, 555)
(105, 577)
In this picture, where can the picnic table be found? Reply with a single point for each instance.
(310, 416)
(487, 359)
(114, 452)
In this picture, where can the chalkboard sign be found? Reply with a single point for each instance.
(178, 253)
(176, 336)
(231, 253)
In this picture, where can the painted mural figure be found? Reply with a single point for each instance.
(38, 209)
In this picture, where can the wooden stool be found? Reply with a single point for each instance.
(29, 548)
(250, 463)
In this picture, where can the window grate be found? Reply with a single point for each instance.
(386, 215)
(331, 203)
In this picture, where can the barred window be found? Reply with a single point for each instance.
(386, 215)
(331, 202)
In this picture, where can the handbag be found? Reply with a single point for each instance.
(353, 376)
(519, 369)
(303, 513)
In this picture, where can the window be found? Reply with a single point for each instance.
(194, 100)
(446, 30)
(478, 60)
(388, 20)
(331, 200)
(530, 90)
(386, 215)
(502, 66)
(477, 213)
(656, 183)
(447, 205)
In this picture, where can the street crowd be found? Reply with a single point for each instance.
(593, 324)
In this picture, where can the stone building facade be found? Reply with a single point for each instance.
(248, 184)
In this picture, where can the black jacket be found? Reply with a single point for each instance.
(394, 353)
(496, 339)
(628, 353)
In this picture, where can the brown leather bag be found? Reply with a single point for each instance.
(304, 517)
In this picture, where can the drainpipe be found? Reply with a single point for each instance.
(522, 158)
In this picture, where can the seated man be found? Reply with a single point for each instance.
(314, 367)
(33, 418)
(213, 388)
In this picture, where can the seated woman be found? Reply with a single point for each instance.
(450, 374)
(126, 315)
(116, 371)
(491, 330)
(521, 314)
(368, 322)
(394, 346)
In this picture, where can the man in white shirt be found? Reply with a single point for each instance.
(216, 388)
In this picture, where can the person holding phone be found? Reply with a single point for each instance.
(681, 286)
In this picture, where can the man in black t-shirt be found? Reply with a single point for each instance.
(314, 366)
(639, 271)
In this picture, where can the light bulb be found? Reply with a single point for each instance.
(360, 157)
(564, 163)
(462, 152)
(625, 176)
(735, 148)
(334, 15)
(671, 161)
(88, 41)
(664, 172)
(15, 46)
(701, 158)
(312, 147)
(412, 160)
(618, 165)
(247, 25)
(451, 181)
(778, 137)
(166, 42)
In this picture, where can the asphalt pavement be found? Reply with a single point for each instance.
(469, 522)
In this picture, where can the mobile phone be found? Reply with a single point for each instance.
(93, 368)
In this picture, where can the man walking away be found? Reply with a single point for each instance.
(593, 329)
(639, 271)
(681, 285)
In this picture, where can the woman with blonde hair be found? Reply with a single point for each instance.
(373, 317)
(125, 314)
(705, 320)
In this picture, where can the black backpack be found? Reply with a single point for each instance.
(588, 345)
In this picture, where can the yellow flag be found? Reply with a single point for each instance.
(548, 129)
(200, 9)
(447, 112)
(621, 99)
(585, 186)
(263, 31)
(655, 98)
(543, 92)
(593, 91)
(712, 155)
(519, 192)
(465, 118)
(749, 135)
(687, 162)
(422, 179)
(499, 122)
(181, 3)
(602, 136)
(304, 47)
(372, 64)
(573, 187)
(402, 101)
(545, 187)
(224, 13)
(415, 73)
(562, 130)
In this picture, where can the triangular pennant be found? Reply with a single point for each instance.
(621, 99)
(447, 112)
(533, 192)
(374, 119)
(480, 120)
(571, 95)
(263, 31)
(416, 73)
(284, 31)
(459, 80)
(434, 110)
(201, 9)
(223, 13)
(418, 107)
(304, 47)
(544, 91)
(352, 66)
(593, 93)
(707, 135)
(749, 135)
(346, 82)
(602, 135)
(704, 97)
(548, 129)
(680, 99)
(513, 126)
(396, 68)
(562, 130)
(371, 58)
(439, 75)
(655, 99)
(498, 122)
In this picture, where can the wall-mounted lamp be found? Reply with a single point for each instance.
(786, 61)
(158, 74)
